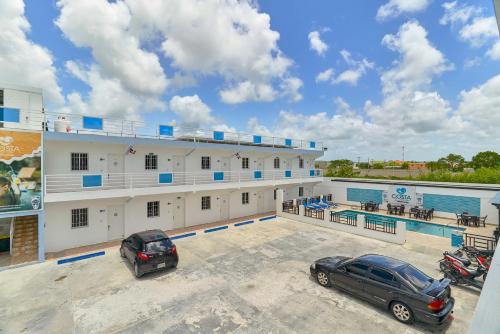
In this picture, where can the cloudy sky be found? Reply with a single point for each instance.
(366, 77)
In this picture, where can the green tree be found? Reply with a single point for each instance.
(378, 165)
(405, 165)
(454, 162)
(486, 159)
(364, 165)
(341, 168)
(435, 165)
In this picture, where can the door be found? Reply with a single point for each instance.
(260, 202)
(178, 213)
(178, 169)
(351, 277)
(115, 177)
(224, 207)
(223, 164)
(115, 222)
(380, 286)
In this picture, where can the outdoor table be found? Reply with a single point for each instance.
(470, 220)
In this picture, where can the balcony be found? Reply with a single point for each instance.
(71, 183)
(81, 124)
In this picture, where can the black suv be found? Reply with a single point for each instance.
(149, 251)
(393, 284)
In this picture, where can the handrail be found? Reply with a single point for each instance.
(43, 120)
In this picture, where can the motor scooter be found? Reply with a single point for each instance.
(459, 270)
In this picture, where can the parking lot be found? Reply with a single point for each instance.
(248, 279)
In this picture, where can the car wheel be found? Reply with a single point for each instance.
(323, 278)
(122, 252)
(137, 272)
(402, 312)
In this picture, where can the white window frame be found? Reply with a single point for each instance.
(245, 198)
(206, 203)
(245, 163)
(153, 209)
(79, 161)
(206, 162)
(151, 162)
(276, 163)
(79, 218)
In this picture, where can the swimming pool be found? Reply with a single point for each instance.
(411, 224)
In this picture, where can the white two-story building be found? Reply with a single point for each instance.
(105, 178)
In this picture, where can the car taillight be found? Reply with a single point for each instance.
(143, 256)
(436, 305)
(174, 250)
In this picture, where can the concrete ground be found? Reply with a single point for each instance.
(249, 279)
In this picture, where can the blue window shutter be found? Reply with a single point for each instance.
(165, 178)
(218, 135)
(89, 181)
(93, 123)
(166, 130)
(257, 139)
(9, 115)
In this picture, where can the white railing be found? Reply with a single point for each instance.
(104, 181)
(74, 123)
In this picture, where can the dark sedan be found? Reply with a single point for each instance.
(149, 251)
(393, 284)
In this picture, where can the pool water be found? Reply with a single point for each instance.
(411, 224)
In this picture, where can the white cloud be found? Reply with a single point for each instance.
(455, 13)
(324, 76)
(227, 38)
(107, 96)
(104, 27)
(191, 110)
(357, 70)
(316, 44)
(494, 52)
(290, 88)
(23, 62)
(480, 31)
(395, 8)
(472, 62)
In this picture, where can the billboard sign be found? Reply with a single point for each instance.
(20, 171)
(401, 195)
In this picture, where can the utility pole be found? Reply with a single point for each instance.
(403, 153)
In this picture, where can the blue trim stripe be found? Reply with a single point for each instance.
(81, 257)
(266, 218)
(225, 227)
(244, 223)
(180, 236)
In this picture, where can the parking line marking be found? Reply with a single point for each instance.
(217, 229)
(180, 236)
(81, 257)
(244, 223)
(267, 218)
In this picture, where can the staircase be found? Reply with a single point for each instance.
(25, 241)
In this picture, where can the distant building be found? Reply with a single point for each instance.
(417, 165)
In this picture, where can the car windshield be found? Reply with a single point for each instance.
(158, 245)
(417, 278)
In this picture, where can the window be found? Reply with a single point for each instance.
(1, 97)
(301, 191)
(151, 162)
(205, 202)
(245, 163)
(153, 209)
(275, 192)
(382, 276)
(417, 278)
(357, 268)
(162, 245)
(276, 163)
(79, 161)
(245, 198)
(205, 162)
(79, 218)
(301, 163)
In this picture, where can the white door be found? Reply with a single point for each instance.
(115, 222)
(260, 202)
(178, 169)
(259, 164)
(224, 164)
(115, 177)
(178, 213)
(224, 207)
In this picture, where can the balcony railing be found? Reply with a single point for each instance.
(95, 181)
(74, 123)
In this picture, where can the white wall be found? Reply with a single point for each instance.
(339, 191)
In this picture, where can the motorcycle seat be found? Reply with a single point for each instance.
(466, 262)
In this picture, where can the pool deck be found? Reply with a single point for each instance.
(426, 240)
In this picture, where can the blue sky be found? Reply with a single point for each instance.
(419, 73)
